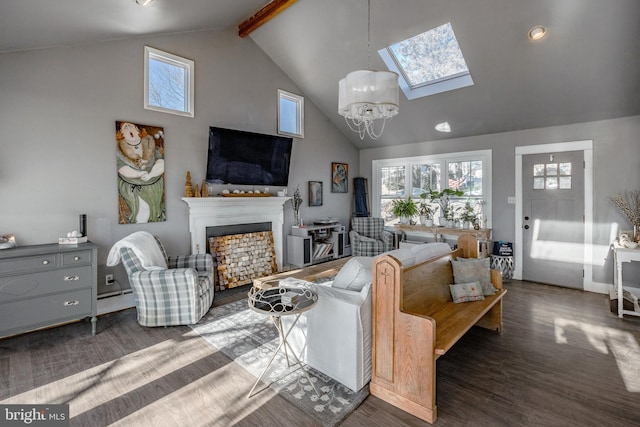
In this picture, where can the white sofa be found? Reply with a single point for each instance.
(334, 337)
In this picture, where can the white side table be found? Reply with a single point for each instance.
(283, 301)
(622, 255)
(503, 263)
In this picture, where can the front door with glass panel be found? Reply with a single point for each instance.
(553, 218)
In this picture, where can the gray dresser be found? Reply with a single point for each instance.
(47, 285)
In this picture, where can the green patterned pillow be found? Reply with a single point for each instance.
(467, 270)
(465, 292)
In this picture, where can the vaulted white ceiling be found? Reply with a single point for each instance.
(586, 69)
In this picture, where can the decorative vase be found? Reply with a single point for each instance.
(296, 218)
(404, 219)
(450, 223)
(442, 221)
(466, 225)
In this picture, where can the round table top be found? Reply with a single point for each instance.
(282, 301)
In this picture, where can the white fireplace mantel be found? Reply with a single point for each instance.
(214, 211)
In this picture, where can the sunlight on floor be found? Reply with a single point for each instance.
(554, 250)
(623, 345)
(201, 396)
(93, 387)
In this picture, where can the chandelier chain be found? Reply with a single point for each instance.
(369, 33)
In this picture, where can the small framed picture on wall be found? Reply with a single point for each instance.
(339, 177)
(315, 193)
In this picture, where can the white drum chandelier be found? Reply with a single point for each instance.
(366, 96)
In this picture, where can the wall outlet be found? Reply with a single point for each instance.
(108, 279)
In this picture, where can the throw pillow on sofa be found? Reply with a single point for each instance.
(465, 292)
(355, 274)
(466, 270)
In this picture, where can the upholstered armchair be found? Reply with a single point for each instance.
(368, 237)
(167, 291)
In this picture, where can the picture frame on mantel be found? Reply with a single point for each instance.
(315, 193)
(339, 177)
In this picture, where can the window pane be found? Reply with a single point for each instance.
(166, 85)
(552, 169)
(565, 168)
(425, 178)
(538, 170)
(386, 206)
(288, 116)
(551, 183)
(393, 181)
(456, 174)
(466, 177)
(474, 182)
(538, 183)
(565, 182)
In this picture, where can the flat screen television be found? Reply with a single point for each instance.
(247, 158)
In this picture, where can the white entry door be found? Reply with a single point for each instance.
(553, 218)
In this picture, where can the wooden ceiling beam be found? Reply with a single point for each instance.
(263, 16)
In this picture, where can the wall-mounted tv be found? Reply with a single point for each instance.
(247, 158)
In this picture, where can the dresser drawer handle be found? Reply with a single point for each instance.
(71, 278)
(70, 303)
(45, 262)
(76, 258)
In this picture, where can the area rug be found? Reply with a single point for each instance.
(250, 338)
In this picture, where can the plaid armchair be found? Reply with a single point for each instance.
(178, 295)
(368, 237)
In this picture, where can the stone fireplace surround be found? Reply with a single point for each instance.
(216, 211)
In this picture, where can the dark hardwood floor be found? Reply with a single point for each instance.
(563, 360)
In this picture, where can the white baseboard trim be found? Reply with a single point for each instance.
(598, 287)
(115, 303)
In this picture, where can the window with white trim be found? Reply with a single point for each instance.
(290, 114)
(168, 83)
(469, 172)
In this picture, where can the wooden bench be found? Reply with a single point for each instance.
(415, 321)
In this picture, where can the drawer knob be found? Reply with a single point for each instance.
(45, 262)
(71, 278)
(71, 303)
(76, 258)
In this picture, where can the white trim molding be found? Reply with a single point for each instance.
(586, 147)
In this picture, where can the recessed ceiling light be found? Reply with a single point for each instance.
(443, 127)
(537, 32)
(144, 2)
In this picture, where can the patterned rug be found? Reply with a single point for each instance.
(250, 338)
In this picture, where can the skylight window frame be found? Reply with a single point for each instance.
(443, 84)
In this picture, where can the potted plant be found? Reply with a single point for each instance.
(404, 210)
(426, 211)
(469, 216)
(442, 197)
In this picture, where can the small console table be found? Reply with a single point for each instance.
(47, 285)
(622, 255)
(483, 235)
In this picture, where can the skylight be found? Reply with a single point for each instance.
(428, 63)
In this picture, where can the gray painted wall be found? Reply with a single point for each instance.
(616, 157)
(57, 150)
